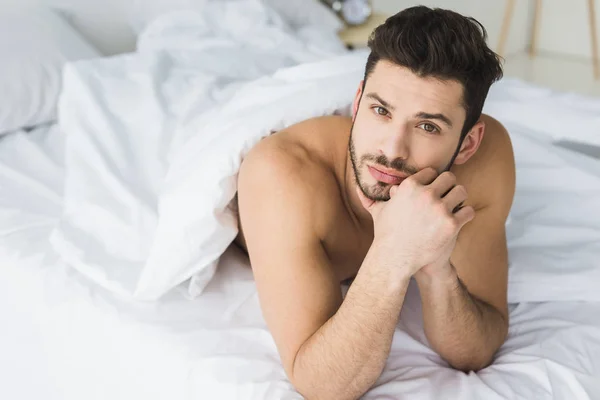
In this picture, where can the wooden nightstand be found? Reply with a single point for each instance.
(358, 36)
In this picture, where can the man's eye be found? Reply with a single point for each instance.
(429, 128)
(381, 111)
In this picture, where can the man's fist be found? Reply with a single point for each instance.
(420, 222)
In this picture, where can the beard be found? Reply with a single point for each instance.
(379, 191)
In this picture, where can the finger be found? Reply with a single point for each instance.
(424, 176)
(464, 216)
(393, 190)
(443, 184)
(458, 207)
(455, 198)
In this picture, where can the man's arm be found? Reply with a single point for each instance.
(465, 302)
(465, 330)
(344, 357)
(329, 349)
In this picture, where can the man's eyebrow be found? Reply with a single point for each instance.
(384, 103)
(438, 116)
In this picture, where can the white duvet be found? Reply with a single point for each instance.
(154, 140)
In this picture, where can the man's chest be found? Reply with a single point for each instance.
(346, 247)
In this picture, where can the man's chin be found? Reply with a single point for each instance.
(377, 192)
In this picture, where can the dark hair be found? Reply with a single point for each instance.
(442, 44)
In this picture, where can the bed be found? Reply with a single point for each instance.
(71, 332)
(63, 337)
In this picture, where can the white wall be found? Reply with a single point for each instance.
(103, 22)
(564, 27)
(489, 13)
(564, 24)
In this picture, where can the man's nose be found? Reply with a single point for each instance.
(396, 144)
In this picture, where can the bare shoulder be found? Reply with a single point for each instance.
(489, 175)
(287, 169)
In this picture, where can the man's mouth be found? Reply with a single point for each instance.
(391, 177)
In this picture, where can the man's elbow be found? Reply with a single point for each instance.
(320, 389)
(317, 386)
(474, 363)
(472, 359)
(478, 354)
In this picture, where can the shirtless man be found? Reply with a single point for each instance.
(370, 198)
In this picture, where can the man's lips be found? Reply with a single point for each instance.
(386, 176)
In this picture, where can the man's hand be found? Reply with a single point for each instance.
(417, 226)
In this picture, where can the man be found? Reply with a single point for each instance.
(382, 198)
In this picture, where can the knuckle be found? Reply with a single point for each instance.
(410, 182)
(441, 209)
(429, 195)
(461, 190)
(449, 176)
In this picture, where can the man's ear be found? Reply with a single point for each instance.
(357, 100)
(471, 143)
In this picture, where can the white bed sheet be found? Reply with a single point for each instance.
(65, 338)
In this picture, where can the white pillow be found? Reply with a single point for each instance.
(35, 44)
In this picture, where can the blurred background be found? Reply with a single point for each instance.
(563, 43)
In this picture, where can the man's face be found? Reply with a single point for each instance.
(404, 123)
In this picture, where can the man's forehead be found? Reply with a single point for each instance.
(399, 85)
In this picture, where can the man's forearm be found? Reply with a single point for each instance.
(344, 358)
(465, 331)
